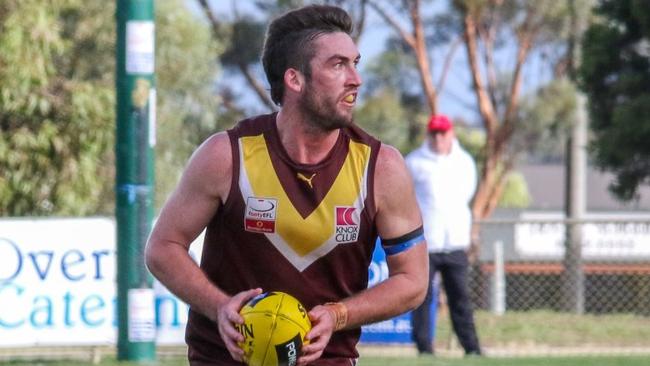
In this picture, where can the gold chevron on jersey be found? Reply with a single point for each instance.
(304, 240)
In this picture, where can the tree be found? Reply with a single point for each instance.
(392, 105)
(56, 107)
(488, 25)
(249, 31)
(243, 31)
(380, 116)
(57, 102)
(415, 37)
(615, 74)
(544, 119)
(189, 109)
(500, 37)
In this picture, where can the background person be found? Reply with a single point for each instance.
(444, 176)
(293, 201)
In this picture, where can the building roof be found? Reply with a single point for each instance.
(546, 185)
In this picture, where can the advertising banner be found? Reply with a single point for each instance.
(57, 282)
(58, 287)
(395, 330)
(600, 240)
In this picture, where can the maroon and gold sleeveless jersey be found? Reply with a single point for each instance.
(307, 230)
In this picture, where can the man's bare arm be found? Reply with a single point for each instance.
(405, 288)
(203, 188)
(397, 214)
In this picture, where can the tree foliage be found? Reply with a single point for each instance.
(391, 89)
(615, 74)
(246, 29)
(188, 108)
(500, 38)
(57, 102)
(523, 27)
(383, 115)
(56, 107)
(545, 118)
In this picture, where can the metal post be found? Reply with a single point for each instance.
(576, 180)
(498, 281)
(134, 142)
(576, 208)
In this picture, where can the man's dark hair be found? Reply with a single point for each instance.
(289, 41)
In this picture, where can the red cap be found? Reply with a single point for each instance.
(439, 123)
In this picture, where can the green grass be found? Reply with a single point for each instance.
(552, 329)
(517, 334)
(486, 361)
(410, 361)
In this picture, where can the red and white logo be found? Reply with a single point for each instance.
(347, 224)
(260, 214)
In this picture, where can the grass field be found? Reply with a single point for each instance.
(487, 361)
(408, 361)
(534, 338)
(540, 329)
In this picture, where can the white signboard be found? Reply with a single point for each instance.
(140, 49)
(57, 286)
(142, 317)
(599, 240)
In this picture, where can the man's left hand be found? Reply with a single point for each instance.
(323, 323)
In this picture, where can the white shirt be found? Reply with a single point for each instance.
(444, 187)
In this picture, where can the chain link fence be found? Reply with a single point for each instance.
(545, 285)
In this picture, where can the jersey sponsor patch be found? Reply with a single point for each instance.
(346, 224)
(260, 214)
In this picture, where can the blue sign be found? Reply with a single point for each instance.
(397, 329)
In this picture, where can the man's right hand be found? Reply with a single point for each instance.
(228, 316)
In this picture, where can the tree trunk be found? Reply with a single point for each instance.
(422, 56)
(259, 90)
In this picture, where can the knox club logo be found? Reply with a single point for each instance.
(260, 214)
(347, 224)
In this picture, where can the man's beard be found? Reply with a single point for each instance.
(322, 113)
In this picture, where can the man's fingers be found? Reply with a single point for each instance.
(244, 296)
(318, 336)
(229, 319)
(318, 343)
(233, 333)
(235, 352)
(306, 360)
(234, 317)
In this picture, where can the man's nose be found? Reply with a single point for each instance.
(354, 78)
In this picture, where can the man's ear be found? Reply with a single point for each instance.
(294, 80)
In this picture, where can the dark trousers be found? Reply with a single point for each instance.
(453, 270)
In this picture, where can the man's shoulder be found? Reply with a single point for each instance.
(216, 145)
(357, 133)
(254, 125)
(390, 153)
(390, 160)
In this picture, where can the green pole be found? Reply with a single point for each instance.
(135, 140)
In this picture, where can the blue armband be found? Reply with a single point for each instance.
(404, 242)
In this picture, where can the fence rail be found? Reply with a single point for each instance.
(525, 282)
(529, 265)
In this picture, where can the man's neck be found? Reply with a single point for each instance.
(303, 142)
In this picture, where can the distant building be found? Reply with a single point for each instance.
(522, 254)
(546, 186)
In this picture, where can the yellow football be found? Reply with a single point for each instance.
(274, 329)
